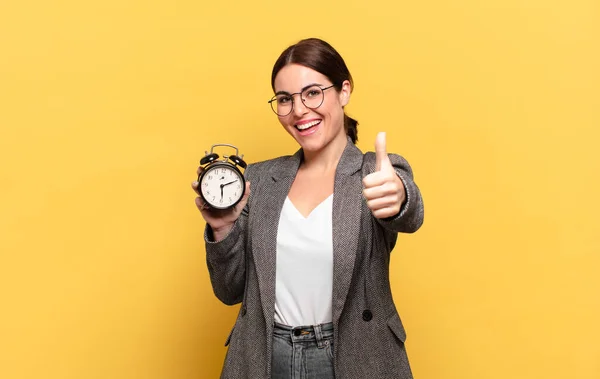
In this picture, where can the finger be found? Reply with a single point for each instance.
(201, 205)
(195, 187)
(374, 179)
(244, 199)
(380, 191)
(383, 202)
(381, 158)
(385, 212)
(378, 178)
(200, 170)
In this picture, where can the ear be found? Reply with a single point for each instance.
(345, 93)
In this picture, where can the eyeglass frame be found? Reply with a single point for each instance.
(291, 95)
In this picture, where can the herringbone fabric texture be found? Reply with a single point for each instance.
(368, 334)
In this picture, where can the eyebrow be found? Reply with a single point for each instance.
(302, 90)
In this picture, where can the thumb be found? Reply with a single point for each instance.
(381, 158)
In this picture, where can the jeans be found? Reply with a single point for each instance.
(304, 352)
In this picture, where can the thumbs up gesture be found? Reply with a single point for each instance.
(383, 189)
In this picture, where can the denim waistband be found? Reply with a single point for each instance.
(309, 333)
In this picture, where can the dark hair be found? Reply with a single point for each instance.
(320, 56)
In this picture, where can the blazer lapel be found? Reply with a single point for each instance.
(267, 210)
(347, 207)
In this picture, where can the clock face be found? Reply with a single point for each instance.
(222, 185)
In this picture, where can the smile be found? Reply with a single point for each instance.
(307, 125)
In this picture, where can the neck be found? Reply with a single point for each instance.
(327, 158)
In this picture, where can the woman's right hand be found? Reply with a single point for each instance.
(220, 220)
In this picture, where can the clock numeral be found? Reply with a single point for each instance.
(205, 184)
(214, 197)
(209, 177)
(230, 200)
(208, 192)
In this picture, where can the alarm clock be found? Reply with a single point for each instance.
(221, 184)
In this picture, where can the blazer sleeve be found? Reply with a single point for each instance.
(226, 259)
(410, 217)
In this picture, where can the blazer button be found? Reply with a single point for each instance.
(367, 315)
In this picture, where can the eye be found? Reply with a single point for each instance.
(284, 99)
(312, 92)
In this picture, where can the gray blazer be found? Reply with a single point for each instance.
(368, 334)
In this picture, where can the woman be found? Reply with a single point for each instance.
(307, 252)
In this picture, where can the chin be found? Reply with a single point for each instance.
(314, 145)
(307, 145)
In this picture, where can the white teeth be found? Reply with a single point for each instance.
(308, 125)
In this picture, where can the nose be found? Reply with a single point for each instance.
(299, 108)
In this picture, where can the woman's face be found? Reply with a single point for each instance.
(313, 129)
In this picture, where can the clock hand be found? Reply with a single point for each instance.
(226, 184)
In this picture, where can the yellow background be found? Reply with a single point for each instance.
(107, 106)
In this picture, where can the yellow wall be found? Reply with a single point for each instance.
(106, 108)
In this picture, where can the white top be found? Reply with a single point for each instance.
(304, 275)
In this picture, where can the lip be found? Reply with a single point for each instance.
(303, 122)
(308, 131)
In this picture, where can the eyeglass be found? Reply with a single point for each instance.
(312, 97)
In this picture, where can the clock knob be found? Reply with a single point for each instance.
(209, 158)
(238, 161)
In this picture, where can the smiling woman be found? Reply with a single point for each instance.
(306, 256)
(316, 122)
(321, 57)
